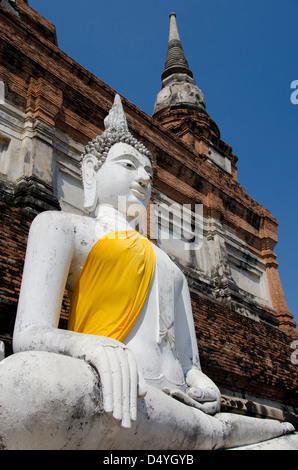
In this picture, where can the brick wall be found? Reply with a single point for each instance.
(14, 230)
(243, 355)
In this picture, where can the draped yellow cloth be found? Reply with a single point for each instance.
(113, 285)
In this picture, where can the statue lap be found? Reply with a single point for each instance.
(51, 401)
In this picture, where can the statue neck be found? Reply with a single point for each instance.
(113, 219)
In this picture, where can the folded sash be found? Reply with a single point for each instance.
(113, 285)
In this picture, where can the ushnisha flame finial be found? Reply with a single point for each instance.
(116, 119)
(116, 130)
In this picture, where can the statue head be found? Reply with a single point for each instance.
(116, 165)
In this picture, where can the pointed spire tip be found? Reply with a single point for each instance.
(175, 60)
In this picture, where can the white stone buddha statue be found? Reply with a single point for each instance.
(88, 389)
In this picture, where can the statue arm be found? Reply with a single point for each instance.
(186, 342)
(50, 249)
(202, 393)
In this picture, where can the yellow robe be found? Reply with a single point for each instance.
(113, 285)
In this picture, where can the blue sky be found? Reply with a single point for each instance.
(244, 57)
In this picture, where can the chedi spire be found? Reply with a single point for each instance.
(175, 60)
(178, 86)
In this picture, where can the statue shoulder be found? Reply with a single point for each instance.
(53, 224)
(56, 219)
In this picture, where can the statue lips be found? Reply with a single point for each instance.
(139, 191)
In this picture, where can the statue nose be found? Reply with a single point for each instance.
(143, 178)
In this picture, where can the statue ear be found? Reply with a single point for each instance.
(89, 170)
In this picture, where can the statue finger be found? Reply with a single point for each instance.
(209, 408)
(116, 382)
(142, 387)
(121, 353)
(104, 370)
(205, 395)
(180, 396)
(133, 384)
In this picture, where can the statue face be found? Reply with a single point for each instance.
(124, 180)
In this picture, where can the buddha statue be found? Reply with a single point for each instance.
(126, 373)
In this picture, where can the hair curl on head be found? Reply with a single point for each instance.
(100, 146)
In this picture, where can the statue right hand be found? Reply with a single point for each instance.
(120, 380)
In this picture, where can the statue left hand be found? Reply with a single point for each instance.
(202, 393)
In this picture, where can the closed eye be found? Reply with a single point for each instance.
(127, 164)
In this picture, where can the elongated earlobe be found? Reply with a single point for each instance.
(89, 169)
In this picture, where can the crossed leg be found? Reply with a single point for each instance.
(51, 401)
